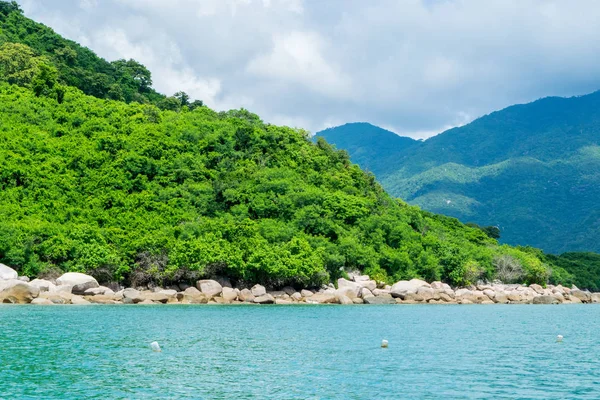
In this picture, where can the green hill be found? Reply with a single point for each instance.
(133, 193)
(533, 170)
(373, 148)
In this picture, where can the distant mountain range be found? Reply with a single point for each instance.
(533, 170)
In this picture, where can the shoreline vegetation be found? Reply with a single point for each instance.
(80, 289)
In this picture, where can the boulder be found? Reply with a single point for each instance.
(500, 297)
(344, 300)
(595, 297)
(574, 300)
(156, 297)
(258, 290)
(381, 292)
(191, 291)
(62, 288)
(426, 293)
(43, 284)
(132, 296)
(347, 285)
(366, 293)
(104, 299)
(538, 289)
(57, 297)
(24, 278)
(229, 294)
(585, 297)
(16, 291)
(41, 301)
(323, 298)
(264, 299)
(169, 292)
(437, 285)
(543, 299)
(490, 293)
(400, 288)
(358, 300)
(371, 285)
(359, 278)
(7, 273)
(379, 300)
(99, 290)
(209, 287)
(80, 282)
(147, 301)
(289, 290)
(559, 297)
(306, 293)
(78, 300)
(246, 295)
(283, 302)
(296, 296)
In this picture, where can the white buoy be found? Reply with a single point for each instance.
(559, 338)
(384, 343)
(155, 347)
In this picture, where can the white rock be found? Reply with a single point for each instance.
(258, 290)
(43, 284)
(306, 293)
(402, 287)
(346, 284)
(80, 282)
(16, 291)
(41, 301)
(78, 300)
(209, 287)
(371, 285)
(7, 273)
(246, 295)
(229, 294)
(296, 296)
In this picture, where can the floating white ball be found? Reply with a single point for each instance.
(384, 343)
(155, 347)
(559, 338)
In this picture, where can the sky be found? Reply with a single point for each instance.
(415, 67)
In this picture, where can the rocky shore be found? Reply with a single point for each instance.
(77, 288)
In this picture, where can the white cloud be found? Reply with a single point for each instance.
(414, 65)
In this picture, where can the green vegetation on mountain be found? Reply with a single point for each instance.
(532, 170)
(26, 46)
(374, 149)
(135, 193)
(585, 268)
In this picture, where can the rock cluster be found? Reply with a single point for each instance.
(77, 288)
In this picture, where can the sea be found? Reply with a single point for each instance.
(300, 352)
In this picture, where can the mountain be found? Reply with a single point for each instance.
(533, 170)
(131, 192)
(373, 148)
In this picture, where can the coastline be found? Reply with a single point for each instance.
(78, 289)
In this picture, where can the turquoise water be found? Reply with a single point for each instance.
(300, 352)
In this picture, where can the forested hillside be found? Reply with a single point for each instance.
(375, 149)
(533, 170)
(133, 193)
(77, 66)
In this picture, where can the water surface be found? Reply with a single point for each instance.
(300, 352)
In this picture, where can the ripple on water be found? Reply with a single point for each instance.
(291, 352)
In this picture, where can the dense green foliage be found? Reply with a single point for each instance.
(32, 43)
(532, 170)
(134, 193)
(585, 268)
(174, 191)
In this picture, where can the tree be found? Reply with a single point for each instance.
(137, 72)
(44, 80)
(18, 63)
(183, 98)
